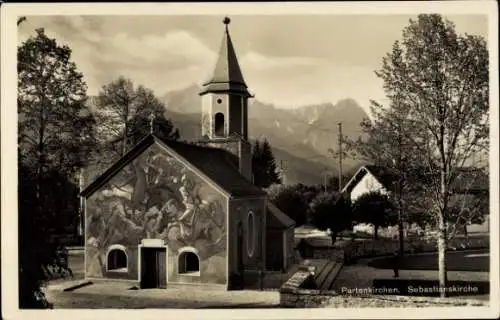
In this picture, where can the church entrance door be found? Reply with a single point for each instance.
(153, 268)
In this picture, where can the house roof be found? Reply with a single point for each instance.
(386, 176)
(217, 165)
(468, 179)
(277, 218)
(227, 74)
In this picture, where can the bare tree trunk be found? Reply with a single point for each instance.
(124, 142)
(333, 236)
(400, 231)
(442, 255)
(400, 220)
(442, 234)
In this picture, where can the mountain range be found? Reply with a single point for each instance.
(300, 137)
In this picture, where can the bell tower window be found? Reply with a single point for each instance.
(219, 124)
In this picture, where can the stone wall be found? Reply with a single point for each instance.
(303, 298)
(352, 250)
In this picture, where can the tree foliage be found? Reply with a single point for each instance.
(440, 79)
(264, 165)
(293, 200)
(55, 126)
(55, 134)
(329, 210)
(124, 112)
(376, 209)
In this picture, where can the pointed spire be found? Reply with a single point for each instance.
(227, 74)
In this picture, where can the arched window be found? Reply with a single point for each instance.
(250, 233)
(189, 263)
(117, 258)
(219, 124)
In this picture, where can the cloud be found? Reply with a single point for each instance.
(178, 58)
(256, 61)
(295, 81)
(163, 63)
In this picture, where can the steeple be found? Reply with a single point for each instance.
(224, 107)
(227, 76)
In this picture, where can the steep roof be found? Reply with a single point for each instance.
(227, 74)
(467, 180)
(386, 176)
(277, 218)
(217, 165)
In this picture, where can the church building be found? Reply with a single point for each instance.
(182, 213)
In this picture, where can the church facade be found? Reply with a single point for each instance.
(188, 213)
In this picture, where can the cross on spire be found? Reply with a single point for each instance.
(151, 122)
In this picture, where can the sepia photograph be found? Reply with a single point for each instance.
(285, 158)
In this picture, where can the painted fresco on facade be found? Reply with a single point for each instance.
(157, 197)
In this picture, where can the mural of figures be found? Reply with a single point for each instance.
(156, 197)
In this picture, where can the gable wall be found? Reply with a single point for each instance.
(238, 212)
(146, 199)
(367, 184)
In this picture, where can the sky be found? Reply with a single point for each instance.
(286, 60)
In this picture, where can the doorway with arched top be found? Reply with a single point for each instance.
(219, 126)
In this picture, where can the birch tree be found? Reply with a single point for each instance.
(441, 79)
(388, 141)
(123, 113)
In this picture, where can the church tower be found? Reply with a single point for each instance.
(225, 106)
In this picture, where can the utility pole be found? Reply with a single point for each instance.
(81, 211)
(324, 179)
(283, 169)
(340, 156)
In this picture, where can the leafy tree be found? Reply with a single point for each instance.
(55, 134)
(332, 180)
(376, 209)
(468, 205)
(388, 141)
(330, 210)
(124, 112)
(441, 79)
(264, 165)
(293, 200)
(256, 165)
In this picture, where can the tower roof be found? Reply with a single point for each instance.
(227, 76)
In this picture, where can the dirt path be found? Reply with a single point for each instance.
(118, 295)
